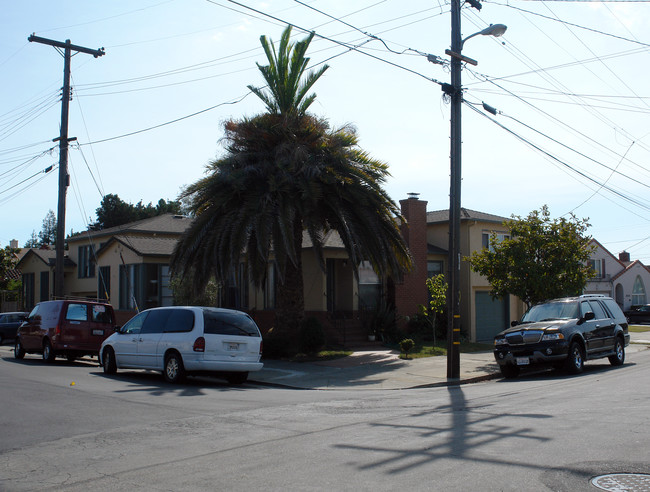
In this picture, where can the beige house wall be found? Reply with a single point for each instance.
(471, 239)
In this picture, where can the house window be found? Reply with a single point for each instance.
(104, 283)
(270, 287)
(127, 287)
(86, 262)
(598, 267)
(369, 287)
(434, 268)
(45, 286)
(243, 287)
(638, 292)
(28, 291)
(487, 241)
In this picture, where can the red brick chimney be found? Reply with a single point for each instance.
(412, 291)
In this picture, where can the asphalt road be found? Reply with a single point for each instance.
(133, 432)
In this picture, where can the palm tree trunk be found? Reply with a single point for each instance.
(290, 309)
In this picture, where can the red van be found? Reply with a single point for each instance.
(67, 328)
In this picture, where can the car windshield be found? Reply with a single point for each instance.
(551, 311)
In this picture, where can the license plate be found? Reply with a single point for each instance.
(523, 361)
(233, 346)
(98, 332)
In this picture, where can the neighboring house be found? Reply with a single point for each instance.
(624, 280)
(481, 316)
(129, 266)
(338, 299)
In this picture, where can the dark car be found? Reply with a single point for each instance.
(9, 323)
(564, 333)
(639, 314)
(69, 328)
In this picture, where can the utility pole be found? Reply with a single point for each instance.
(453, 298)
(455, 92)
(64, 177)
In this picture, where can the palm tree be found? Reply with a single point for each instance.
(285, 173)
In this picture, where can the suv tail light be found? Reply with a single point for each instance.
(199, 345)
(57, 331)
(261, 343)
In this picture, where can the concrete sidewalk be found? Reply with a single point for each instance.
(383, 369)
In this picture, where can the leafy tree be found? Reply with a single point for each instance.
(113, 211)
(32, 242)
(285, 172)
(543, 258)
(437, 287)
(47, 235)
(8, 260)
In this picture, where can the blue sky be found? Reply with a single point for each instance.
(569, 80)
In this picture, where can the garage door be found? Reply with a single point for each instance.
(491, 316)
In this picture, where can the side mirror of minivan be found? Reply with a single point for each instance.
(514, 323)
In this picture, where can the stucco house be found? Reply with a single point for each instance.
(625, 281)
(129, 266)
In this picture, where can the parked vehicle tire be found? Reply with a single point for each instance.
(48, 352)
(108, 361)
(237, 377)
(1, 340)
(575, 362)
(174, 371)
(619, 353)
(509, 371)
(19, 351)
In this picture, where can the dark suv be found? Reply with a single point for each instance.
(564, 333)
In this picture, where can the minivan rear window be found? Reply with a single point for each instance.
(222, 323)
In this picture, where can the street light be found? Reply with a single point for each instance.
(495, 30)
(455, 92)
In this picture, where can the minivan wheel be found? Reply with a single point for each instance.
(575, 362)
(19, 351)
(174, 371)
(108, 361)
(237, 377)
(48, 353)
(619, 353)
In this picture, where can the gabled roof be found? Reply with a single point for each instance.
(166, 224)
(143, 245)
(47, 256)
(628, 268)
(442, 216)
(603, 248)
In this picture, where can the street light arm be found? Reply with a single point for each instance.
(495, 30)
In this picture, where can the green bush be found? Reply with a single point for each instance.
(406, 345)
(312, 336)
(278, 345)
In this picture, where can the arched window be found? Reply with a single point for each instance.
(638, 292)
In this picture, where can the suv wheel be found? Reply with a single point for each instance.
(174, 371)
(509, 371)
(19, 351)
(619, 353)
(48, 353)
(575, 362)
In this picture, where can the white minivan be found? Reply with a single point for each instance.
(182, 340)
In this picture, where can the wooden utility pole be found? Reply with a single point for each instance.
(64, 177)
